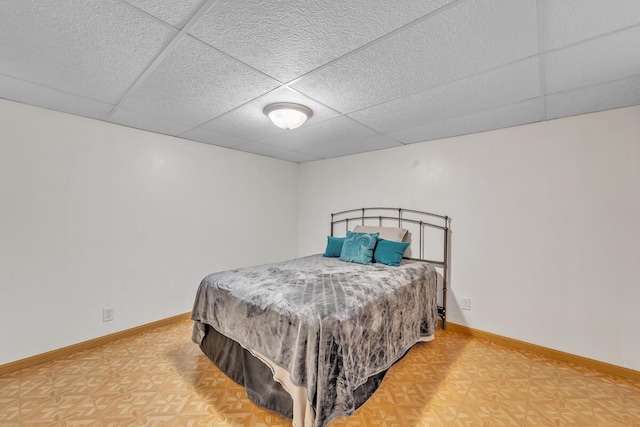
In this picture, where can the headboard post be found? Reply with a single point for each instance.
(421, 239)
(332, 224)
(445, 273)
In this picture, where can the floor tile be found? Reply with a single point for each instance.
(160, 378)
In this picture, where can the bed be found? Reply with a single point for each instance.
(312, 338)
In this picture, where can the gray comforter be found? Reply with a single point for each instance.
(329, 323)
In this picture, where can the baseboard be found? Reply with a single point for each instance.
(603, 367)
(96, 342)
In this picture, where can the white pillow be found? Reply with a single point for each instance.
(386, 233)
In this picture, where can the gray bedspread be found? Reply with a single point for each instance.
(329, 323)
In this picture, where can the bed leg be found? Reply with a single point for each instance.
(443, 317)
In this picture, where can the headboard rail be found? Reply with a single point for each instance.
(381, 218)
(418, 218)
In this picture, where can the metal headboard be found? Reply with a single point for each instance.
(421, 219)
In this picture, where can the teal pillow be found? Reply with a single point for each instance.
(334, 246)
(389, 252)
(358, 247)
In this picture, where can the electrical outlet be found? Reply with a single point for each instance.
(465, 303)
(107, 314)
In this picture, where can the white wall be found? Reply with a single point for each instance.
(546, 236)
(97, 215)
(545, 224)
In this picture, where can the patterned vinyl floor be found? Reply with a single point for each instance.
(161, 378)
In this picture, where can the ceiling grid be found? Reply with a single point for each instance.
(543, 114)
(162, 54)
(376, 74)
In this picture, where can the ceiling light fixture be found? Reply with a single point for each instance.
(286, 115)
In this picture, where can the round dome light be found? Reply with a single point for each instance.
(286, 115)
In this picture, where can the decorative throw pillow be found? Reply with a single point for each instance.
(386, 233)
(334, 246)
(358, 247)
(389, 253)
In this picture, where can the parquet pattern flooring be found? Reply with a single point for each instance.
(161, 378)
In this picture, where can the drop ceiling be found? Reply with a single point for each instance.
(376, 73)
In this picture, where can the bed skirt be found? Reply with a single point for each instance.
(258, 379)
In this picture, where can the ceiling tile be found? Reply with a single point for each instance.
(323, 133)
(511, 115)
(249, 122)
(260, 148)
(469, 38)
(41, 96)
(288, 38)
(294, 156)
(212, 137)
(571, 21)
(137, 120)
(502, 86)
(358, 145)
(95, 49)
(173, 12)
(621, 93)
(410, 70)
(196, 83)
(596, 61)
